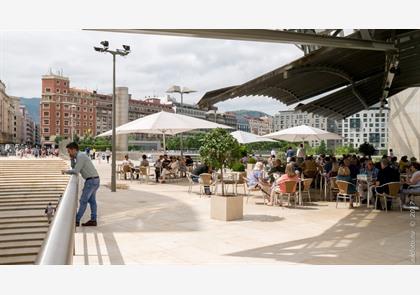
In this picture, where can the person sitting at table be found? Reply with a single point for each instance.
(385, 175)
(309, 167)
(144, 162)
(127, 163)
(197, 171)
(289, 175)
(403, 164)
(344, 175)
(275, 169)
(372, 173)
(414, 182)
(173, 167)
(256, 175)
(189, 161)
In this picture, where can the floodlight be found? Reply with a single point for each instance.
(126, 47)
(105, 44)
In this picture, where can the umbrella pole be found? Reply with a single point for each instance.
(164, 143)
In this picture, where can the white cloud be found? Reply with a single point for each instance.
(156, 63)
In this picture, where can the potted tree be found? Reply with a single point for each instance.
(218, 150)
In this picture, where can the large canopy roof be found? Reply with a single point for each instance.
(346, 80)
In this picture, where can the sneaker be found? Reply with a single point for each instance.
(77, 223)
(90, 223)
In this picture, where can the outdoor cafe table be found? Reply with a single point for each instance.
(363, 178)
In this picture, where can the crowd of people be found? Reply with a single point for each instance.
(270, 175)
(28, 151)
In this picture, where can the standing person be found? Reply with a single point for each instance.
(300, 154)
(289, 154)
(273, 153)
(158, 168)
(82, 164)
(108, 155)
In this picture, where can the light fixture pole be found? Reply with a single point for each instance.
(114, 53)
(177, 89)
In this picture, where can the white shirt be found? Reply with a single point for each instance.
(300, 153)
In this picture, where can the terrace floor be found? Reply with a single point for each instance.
(164, 224)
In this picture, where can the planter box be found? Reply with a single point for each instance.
(226, 208)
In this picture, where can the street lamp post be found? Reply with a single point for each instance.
(114, 53)
(177, 89)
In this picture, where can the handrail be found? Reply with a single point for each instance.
(58, 245)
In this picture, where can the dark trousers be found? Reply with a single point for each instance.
(157, 174)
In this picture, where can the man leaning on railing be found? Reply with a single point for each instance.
(81, 163)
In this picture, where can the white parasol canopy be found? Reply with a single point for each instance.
(303, 133)
(164, 123)
(246, 137)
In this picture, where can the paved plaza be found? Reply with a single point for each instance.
(164, 224)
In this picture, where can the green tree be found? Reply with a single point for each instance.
(219, 149)
(367, 149)
(58, 138)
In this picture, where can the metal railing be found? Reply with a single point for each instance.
(58, 245)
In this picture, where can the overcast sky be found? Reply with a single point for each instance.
(156, 63)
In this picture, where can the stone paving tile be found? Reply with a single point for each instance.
(163, 224)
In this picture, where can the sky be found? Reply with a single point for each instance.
(155, 64)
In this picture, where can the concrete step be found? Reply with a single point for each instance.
(30, 193)
(28, 207)
(27, 203)
(23, 259)
(24, 225)
(34, 199)
(22, 237)
(6, 232)
(20, 244)
(12, 220)
(19, 251)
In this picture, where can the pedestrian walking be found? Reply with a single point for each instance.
(81, 163)
(49, 211)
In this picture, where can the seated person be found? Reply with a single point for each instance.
(289, 175)
(144, 161)
(189, 161)
(309, 167)
(275, 169)
(200, 169)
(127, 163)
(372, 173)
(256, 175)
(158, 167)
(414, 182)
(344, 175)
(403, 164)
(173, 167)
(385, 175)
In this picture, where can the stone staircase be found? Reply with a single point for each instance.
(26, 188)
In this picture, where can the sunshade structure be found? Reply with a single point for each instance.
(341, 81)
(246, 137)
(303, 133)
(164, 123)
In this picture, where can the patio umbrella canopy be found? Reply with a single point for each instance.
(246, 137)
(164, 123)
(303, 133)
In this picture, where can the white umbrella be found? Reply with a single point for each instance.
(246, 137)
(164, 123)
(302, 133)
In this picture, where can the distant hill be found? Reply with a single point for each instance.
(255, 114)
(32, 105)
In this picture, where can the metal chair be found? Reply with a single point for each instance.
(205, 179)
(290, 191)
(191, 183)
(343, 191)
(333, 189)
(144, 171)
(307, 182)
(241, 181)
(393, 193)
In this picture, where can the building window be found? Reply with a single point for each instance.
(66, 123)
(46, 105)
(47, 89)
(46, 122)
(65, 91)
(46, 114)
(66, 115)
(57, 90)
(66, 131)
(85, 109)
(65, 83)
(46, 130)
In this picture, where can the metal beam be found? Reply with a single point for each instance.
(276, 36)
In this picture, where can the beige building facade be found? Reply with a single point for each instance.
(404, 123)
(6, 116)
